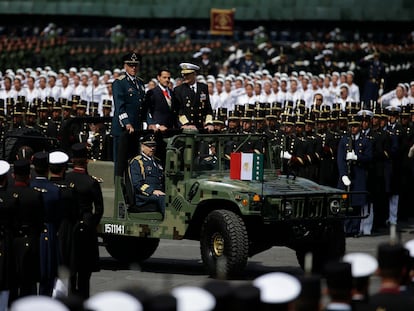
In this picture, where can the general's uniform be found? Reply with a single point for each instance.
(128, 94)
(146, 175)
(194, 108)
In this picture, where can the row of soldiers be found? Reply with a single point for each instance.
(347, 287)
(48, 220)
(63, 120)
(371, 148)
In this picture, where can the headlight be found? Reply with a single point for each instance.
(334, 207)
(288, 209)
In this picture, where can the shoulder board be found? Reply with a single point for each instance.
(99, 180)
(40, 189)
(157, 159)
(121, 77)
(138, 157)
(61, 186)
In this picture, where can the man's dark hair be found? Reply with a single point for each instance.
(163, 69)
(25, 153)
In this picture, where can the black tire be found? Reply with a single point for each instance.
(224, 244)
(128, 249)
(331, 247)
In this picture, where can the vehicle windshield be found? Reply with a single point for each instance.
(213, 152)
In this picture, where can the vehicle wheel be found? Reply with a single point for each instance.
(128, 249)
(224, 244)
(330, 248)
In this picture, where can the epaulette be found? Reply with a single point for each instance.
(61, 186)
(40, 189)
(99, 180)
(121, 77)
(138, 157)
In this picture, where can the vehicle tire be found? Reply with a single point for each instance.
(331, 247)
(128, 249)
(224, 244)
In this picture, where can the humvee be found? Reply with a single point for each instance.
(232, 219)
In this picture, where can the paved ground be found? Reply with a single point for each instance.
(179, 263)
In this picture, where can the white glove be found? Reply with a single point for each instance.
(368, 57)
(351, 156)
(346, 180)
(411, 152)
(286, 155)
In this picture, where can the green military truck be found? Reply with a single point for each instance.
(233, 219)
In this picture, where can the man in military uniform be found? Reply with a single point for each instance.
(192, 101)
(354, 155)
(49, 251)
(85, 240)
(128, 92)
(6, 221)
(147, 175)
(70, 207)
(392, 265)
(27, 225)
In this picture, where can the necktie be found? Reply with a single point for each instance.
(193, 88)
(166, 94)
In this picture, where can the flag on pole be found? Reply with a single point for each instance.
(222, 21)
(246, 166)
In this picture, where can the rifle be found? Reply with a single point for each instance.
(349, 162)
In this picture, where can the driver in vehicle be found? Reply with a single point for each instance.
(147, 175)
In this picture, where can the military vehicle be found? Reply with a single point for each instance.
(232, 219)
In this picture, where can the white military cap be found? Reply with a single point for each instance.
(62, 71)
(4, 167)
(277, 287)
(96, 73)
(302, 73)
(52, 74)
(44, 303)
(335, 73)
(284, 79)
(39, 69)
(20, 71)
(294, 73)
(344, 85)
(327, 52)
(188, 68)
(220, 80)
(191, 298)
(108, 72)
(47, 68)
(365, 113)
(205, 50)
(411, 83)
(265, 72)
(113, 300)
(362, 265)
(393, 109)
(410, 246)
(349, 72)
(73, 69)
(28, 69)
(58, 157)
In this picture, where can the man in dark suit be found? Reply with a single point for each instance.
(192, 101)
(162, 113)
(128, 92)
